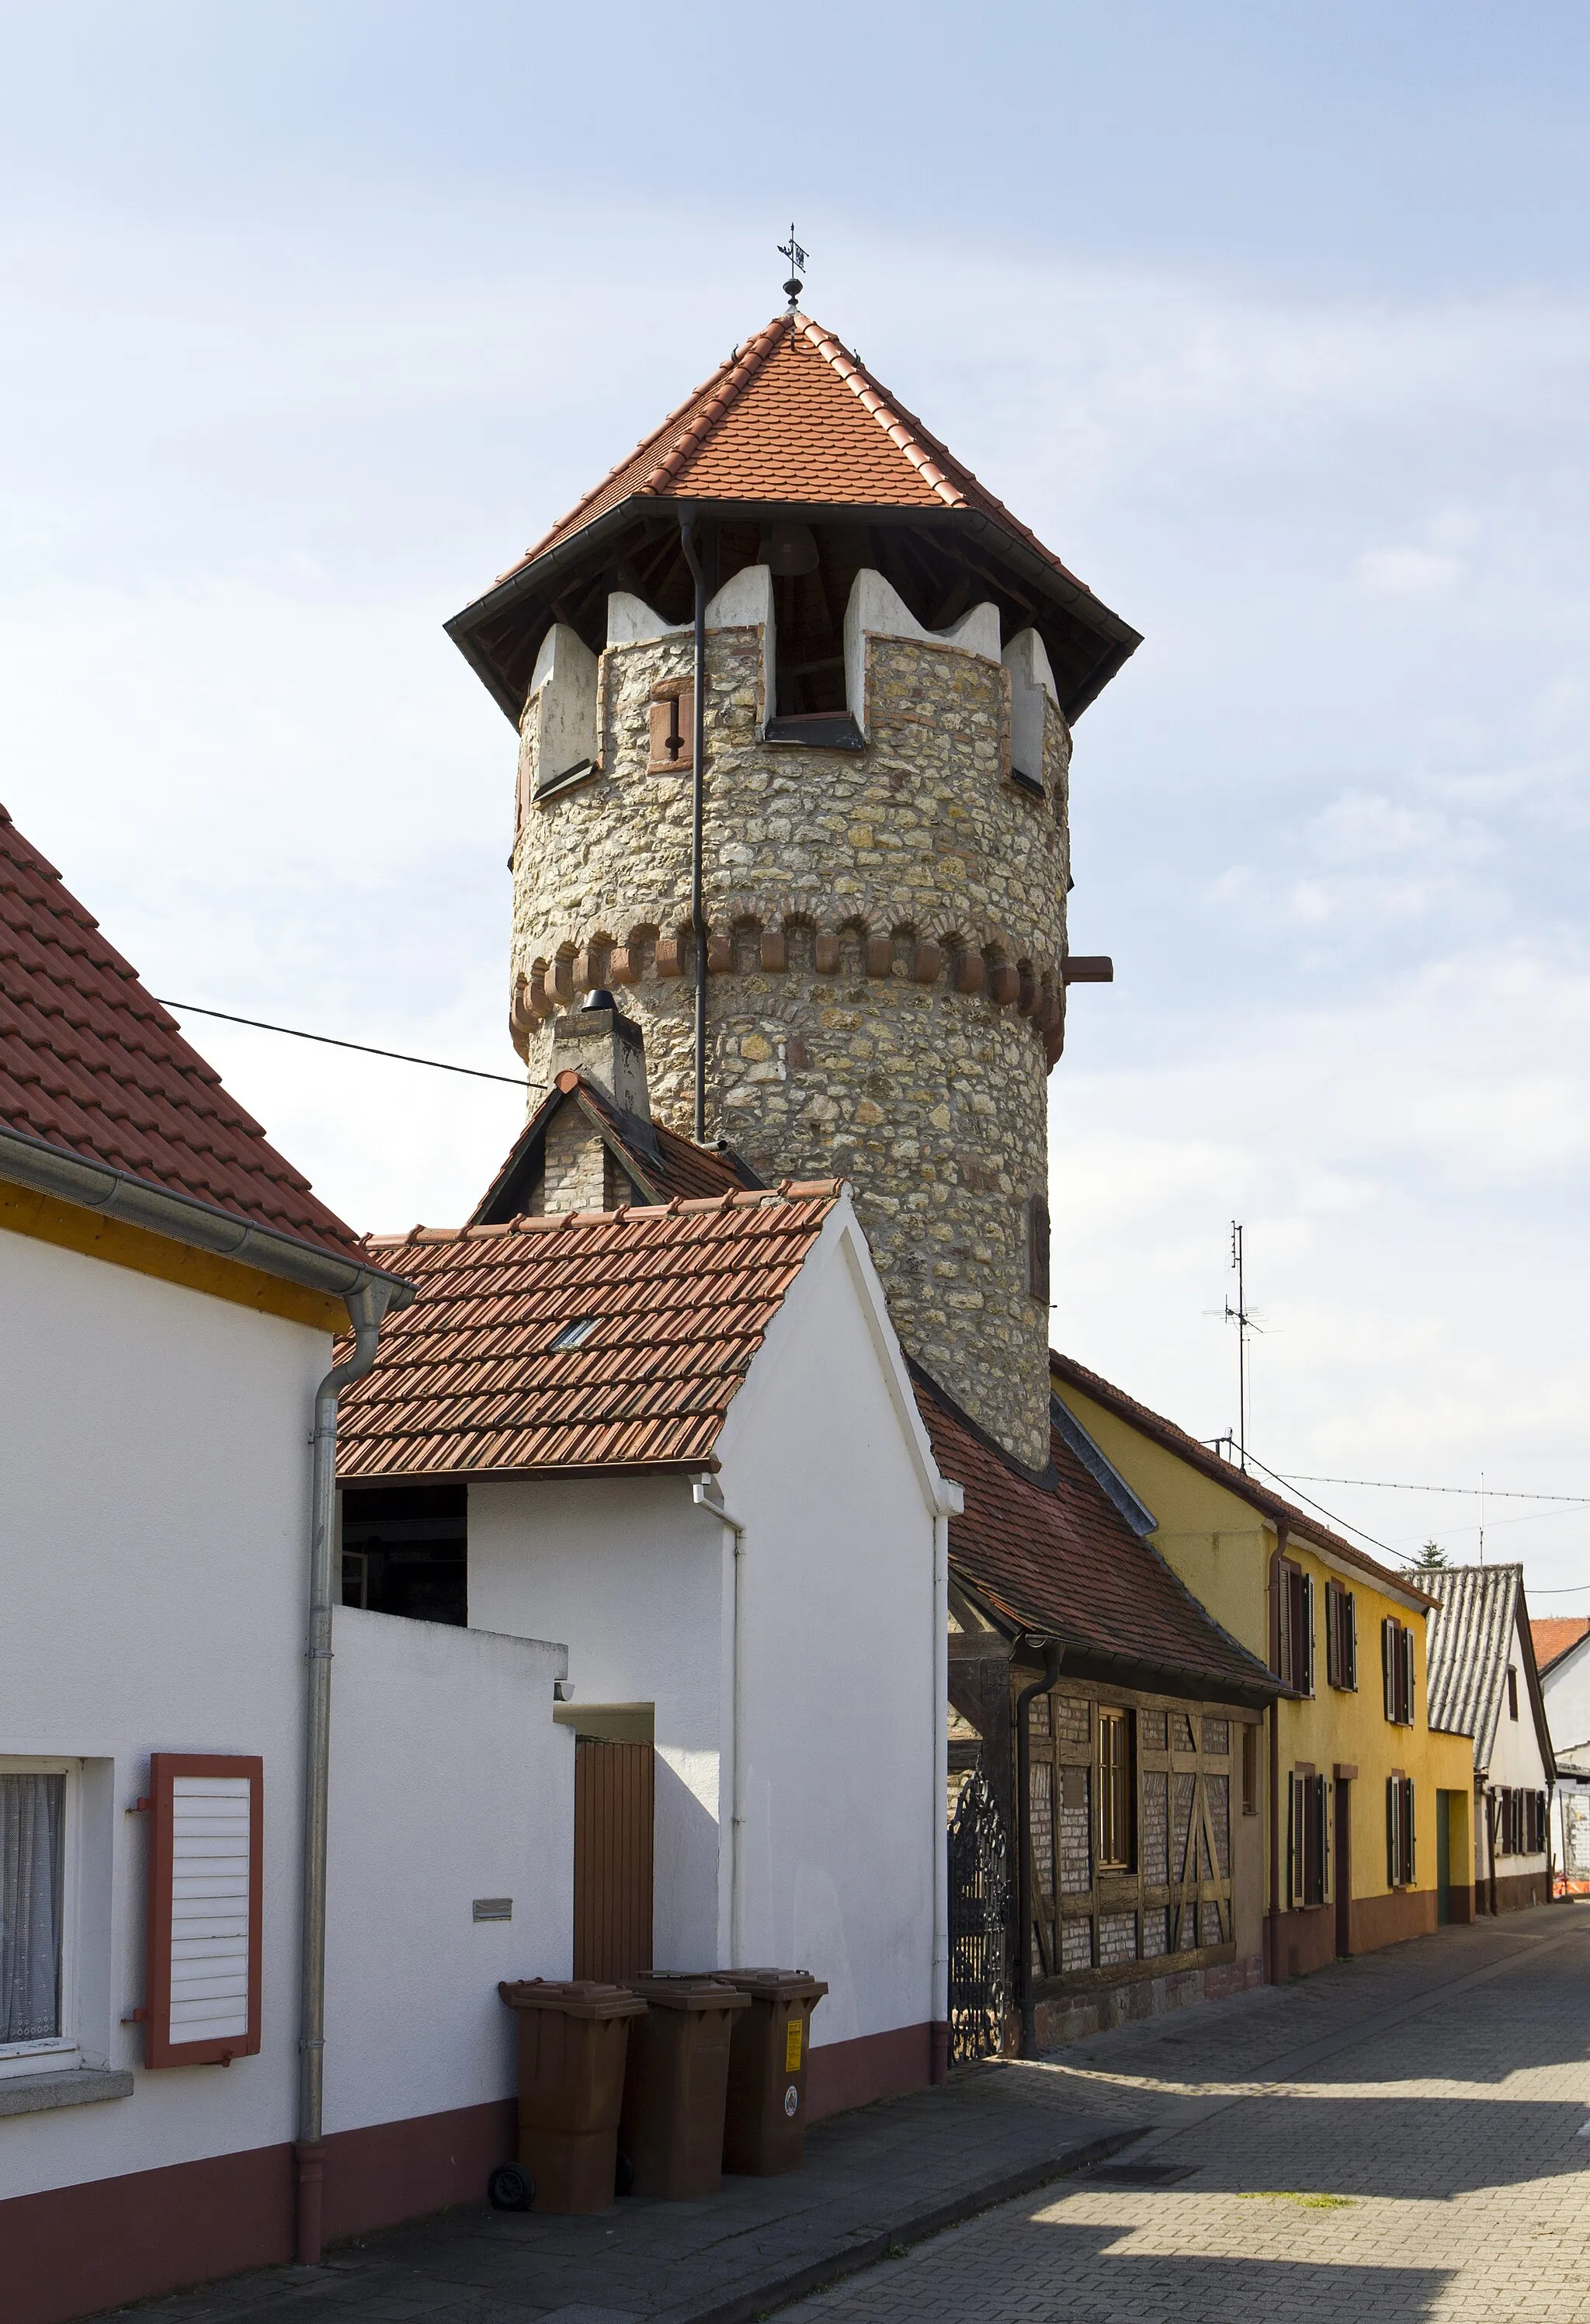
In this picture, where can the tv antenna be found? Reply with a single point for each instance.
(797, 261)
(1244, 1324)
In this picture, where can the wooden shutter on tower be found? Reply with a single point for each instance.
(204, 1929)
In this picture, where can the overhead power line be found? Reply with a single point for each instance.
(365, 1048)
(1471, 1492)
(1346, 1525)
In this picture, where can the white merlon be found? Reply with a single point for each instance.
(1031, 678)
(743, 603)
(877, 610)
(560, 709)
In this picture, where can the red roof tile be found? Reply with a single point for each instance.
(791, 416)
(466, 1383)
(92, 1064)
(1247, 1486)
(1055, 1557)
(1553, 1634)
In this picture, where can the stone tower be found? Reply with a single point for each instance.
(893, 664)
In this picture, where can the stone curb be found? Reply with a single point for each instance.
(850, 2258)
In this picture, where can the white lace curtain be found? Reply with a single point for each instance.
(32, 1820)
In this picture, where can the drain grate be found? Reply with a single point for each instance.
(1140, 2174)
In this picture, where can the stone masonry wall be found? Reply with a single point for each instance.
(886, 938)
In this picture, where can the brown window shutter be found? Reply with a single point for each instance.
(1405, 1637)
(1391, 1831)
(1351, 1602)
(1306, 1629)
(1333, 1634)
(205, 1920)
(1038, 1248)
(1283, 1623)
(1411, 1852)
(1387, 1664)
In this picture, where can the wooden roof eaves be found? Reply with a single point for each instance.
(1061, 588)
(697, 1465)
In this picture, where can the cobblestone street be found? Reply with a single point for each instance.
(1436, 2164)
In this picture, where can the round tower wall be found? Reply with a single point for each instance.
(886, 938)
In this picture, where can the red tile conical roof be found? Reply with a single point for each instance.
(791, 416)
(92, 1064)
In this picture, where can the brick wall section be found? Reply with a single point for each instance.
(852, 898)
(578, 1171)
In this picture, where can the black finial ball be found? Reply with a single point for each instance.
(794, 287)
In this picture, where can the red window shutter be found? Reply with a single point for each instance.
(204, 1922)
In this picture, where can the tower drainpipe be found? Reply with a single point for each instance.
(698, 772)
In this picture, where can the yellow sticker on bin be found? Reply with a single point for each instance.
(792, 2046)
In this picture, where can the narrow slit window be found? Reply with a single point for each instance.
(1115, 1791)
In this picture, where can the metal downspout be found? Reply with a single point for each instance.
(703, 1492)
(367, 1305)
(939, 2050)
(1054, 1657)
(698, 747)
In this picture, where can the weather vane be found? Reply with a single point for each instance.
(797, 259)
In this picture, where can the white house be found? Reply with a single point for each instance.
(1483, 1681)
(1562, 1649)
(171, 1290)
(682, 1440)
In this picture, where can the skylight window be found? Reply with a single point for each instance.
(574, 1336)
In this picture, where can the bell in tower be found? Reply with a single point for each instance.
(795, 698)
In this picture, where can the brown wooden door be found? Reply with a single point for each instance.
(614, 1790)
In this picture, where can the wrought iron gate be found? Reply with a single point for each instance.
(979, 1921)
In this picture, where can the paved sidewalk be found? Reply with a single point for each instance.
(1420, 2148)
(1247, 2093)
(887, 2174)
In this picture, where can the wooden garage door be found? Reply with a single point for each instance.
(614, 1789)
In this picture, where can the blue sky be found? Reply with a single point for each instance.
(1276, 324)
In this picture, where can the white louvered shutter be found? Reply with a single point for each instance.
(203, 2001)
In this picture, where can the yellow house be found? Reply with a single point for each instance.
(1366, 1809)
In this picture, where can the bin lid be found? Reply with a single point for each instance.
(776, 1984)
(579, 1996)
(687, 1989)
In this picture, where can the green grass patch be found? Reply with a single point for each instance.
(1293, 2195)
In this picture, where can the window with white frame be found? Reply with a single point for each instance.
(37, 1840)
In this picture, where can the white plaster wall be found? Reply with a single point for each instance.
(563, 693)
(1026, 658)
(877, 609)
(154, 1490)
(631, 1576)
(449, 1781)
(842, 1793)
(1516, 1764)
(1567, 1690)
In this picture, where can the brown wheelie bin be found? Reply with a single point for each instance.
(764, 2120)
(572, 2042)
(676, 2083)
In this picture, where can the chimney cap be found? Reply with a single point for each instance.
(598, 998)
